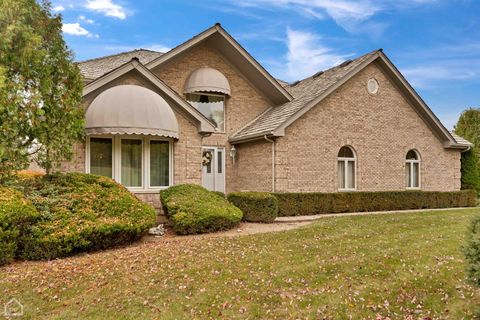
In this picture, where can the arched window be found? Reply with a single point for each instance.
(412, 170)
(346, 169)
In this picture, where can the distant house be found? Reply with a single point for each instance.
(208, 113)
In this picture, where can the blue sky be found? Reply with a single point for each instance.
(434, 43)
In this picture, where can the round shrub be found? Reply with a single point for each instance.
(256, 206)
(81, 212)
(472, 251)
(17, 215)
(193, 209)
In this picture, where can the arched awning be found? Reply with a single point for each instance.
(207, 80)
(131, 109)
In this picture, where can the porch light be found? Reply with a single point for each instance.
(233, 152)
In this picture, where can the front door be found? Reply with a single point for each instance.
(213, 168)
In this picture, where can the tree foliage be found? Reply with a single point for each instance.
(470, 171)
(40, 88)
(468, 126)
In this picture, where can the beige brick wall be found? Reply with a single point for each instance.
(381, 128)
(253, 167)
(244, 103)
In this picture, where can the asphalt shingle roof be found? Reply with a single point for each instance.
(460, 140)
(94, 68)
(303, 91)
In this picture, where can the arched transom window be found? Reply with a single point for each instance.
(346, 169)
(412, 170)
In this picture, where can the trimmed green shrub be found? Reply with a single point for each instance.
(256, 206)
(81, 212)
(472, 251)
(193, 209)
(17, 215)
(220, 193)
(310, 203)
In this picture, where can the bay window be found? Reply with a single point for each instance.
(139, 163)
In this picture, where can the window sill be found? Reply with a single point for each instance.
(413, 188)
(347, 190)
(149, 190)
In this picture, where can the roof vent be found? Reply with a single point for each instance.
(318, 74)
(344, 64)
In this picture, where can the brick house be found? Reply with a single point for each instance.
(207, 113)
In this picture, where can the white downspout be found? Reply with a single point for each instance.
(273, 161)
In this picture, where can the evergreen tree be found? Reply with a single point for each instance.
(40, 88)
(468, 126)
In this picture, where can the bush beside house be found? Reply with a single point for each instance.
(193, 209)
(256, 206)
(310, 203)
(17, 215)
(75, 213)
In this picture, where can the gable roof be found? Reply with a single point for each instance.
(93, 68)
(204, 125)
(303, 92)
(224, 43)
(310, 91)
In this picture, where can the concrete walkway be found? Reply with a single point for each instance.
(320, 216)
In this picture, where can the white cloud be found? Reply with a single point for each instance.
(75, 29)
(58, 8)
(348, 14)
(107, 7)
(157, 47)
(426, 76)
(86, 20)
(307, 55)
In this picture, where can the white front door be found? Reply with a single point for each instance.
(213, 168)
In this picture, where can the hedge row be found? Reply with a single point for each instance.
(73, 213)
(193, 209)
(296, 204)
(256, 206)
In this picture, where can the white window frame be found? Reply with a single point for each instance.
(410, 162)
(345, 161)
(117, 161)
(201, 93)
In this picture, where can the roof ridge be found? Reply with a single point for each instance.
(118, 54)
(341, 64)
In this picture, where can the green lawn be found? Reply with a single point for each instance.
(363, 266)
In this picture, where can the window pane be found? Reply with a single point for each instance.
(416, 176)
(412, 155)
(341, 174)
(407, 175)
(351, 174)
(220, 161)
(101, 156)
(132, 163)
(210, 106)
(159, 163)
(345, 152)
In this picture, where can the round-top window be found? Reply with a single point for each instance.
(372, 86)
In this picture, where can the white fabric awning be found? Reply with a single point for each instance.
(131, 109)
(207, 80)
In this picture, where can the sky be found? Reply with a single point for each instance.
(434, 43)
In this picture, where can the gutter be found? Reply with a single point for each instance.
(273, 160)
